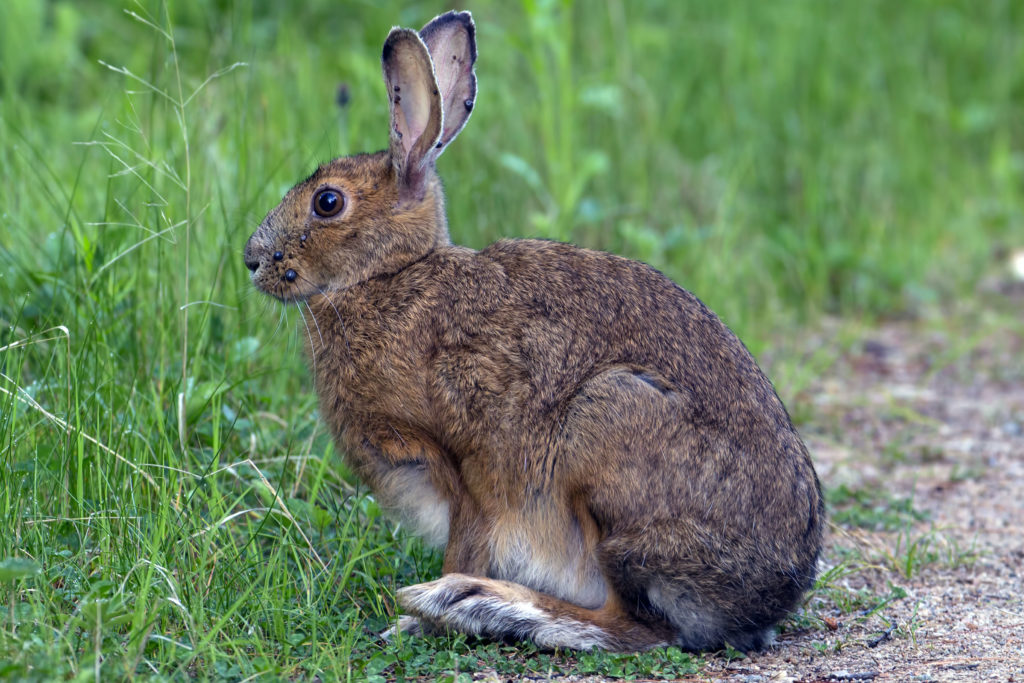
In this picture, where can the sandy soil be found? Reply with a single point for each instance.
(932, 413)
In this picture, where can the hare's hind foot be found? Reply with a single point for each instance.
(499, 610)
(507, 611)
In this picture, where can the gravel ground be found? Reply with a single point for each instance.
(932, 414)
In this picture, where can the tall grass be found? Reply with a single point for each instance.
(172, 505)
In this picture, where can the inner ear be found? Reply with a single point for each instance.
(415, 104)
(451, 41)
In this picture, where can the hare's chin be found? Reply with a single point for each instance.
(289, 294)
(293, 297)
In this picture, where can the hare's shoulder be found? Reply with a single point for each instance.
(569, 291)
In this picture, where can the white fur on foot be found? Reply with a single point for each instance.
(405, 624)
(413, 626)
(489, 607)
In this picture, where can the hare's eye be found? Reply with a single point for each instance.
(328, 203)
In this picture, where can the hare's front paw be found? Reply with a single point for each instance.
(413, 626)
(405, 624)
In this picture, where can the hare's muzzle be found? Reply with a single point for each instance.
(251, 255)
(271, 272)
(251, 262)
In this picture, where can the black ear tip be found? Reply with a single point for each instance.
(465, 18)
(399, 35)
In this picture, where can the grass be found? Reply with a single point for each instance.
(173, 508)
(871, 509)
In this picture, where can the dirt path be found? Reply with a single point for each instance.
(923, 423)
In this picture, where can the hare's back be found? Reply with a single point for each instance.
(586, 310)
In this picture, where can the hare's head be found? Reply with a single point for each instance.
(370, 214)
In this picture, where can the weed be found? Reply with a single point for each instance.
(912, 551)
(871, 508)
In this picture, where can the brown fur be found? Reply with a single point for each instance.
(611, 466)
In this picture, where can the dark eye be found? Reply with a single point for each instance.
(327, 203)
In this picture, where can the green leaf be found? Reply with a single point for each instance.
(13, 568)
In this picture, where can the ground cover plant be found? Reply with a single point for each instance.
(172, 508)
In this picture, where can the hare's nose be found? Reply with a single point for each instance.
(251, 262)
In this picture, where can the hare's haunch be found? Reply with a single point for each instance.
(601, 457)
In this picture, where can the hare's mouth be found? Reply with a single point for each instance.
(288, 286)
(278, 274)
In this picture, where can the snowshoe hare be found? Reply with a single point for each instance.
(601, 457)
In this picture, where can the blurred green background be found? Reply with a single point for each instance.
(782, 160)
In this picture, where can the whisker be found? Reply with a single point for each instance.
(318, 333)
(282, 315)
(312, 348)
(341, 321)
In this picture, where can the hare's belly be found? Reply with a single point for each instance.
(408, 495)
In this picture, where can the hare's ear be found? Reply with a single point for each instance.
(416, 114)
(451, 40)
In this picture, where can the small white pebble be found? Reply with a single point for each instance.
(1017, 264)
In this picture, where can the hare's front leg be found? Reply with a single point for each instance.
(409, 478)
(466, 557)
(467, 554)
(468, 550)
(433, 503)
(414, 483)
